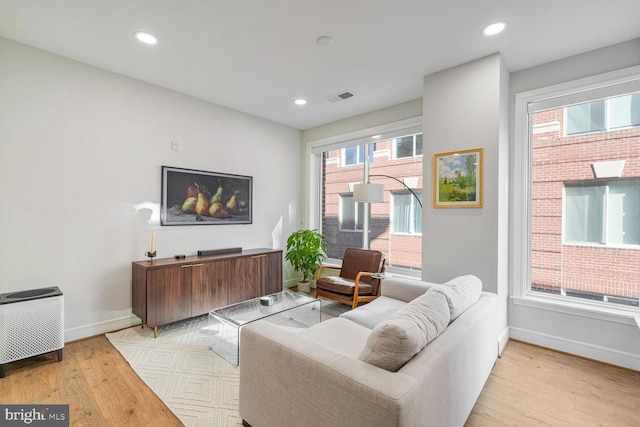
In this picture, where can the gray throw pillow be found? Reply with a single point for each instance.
(461, 293)
(397, 339)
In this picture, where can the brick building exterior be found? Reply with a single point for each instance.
(594, 271)
(401, 249)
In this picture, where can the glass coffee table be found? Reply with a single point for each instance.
(287, 308)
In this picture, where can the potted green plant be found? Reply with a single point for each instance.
(306, 249)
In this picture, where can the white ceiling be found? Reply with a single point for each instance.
(257, 56)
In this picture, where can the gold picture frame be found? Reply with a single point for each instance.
(457, 179)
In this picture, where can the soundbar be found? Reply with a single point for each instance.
(218, 251)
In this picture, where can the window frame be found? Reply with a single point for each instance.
(609, 84)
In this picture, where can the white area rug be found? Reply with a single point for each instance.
(198, 386)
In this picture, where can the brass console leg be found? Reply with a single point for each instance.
(155, 332)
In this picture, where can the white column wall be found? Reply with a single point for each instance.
(465, 107)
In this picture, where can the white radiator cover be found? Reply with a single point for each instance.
(29, 328)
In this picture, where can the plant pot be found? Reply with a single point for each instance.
(304, 287)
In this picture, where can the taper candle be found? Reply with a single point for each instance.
(153, 242)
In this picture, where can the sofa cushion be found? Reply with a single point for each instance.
(371, 314)
(461, 293)
(338, 334)
(396, 340)
(402, 288)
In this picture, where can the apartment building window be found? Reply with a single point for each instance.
(351, 214)
(603, 213)
(354, 155)
(604, 114)
(577, 216)
(408, 146)
(407, 213)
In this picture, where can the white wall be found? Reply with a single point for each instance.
(80, 157)
(465, 108)
(395, 113)
(616, 342)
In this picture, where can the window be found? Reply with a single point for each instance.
(408, 146)
(354, 155)
(407, 213)
(341, 220)
(351, 214)
(578, 228)
(604, 114)
(606, 213)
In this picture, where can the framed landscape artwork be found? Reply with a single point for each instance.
(457, 179)
(193, 197)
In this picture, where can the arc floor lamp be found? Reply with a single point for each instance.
(374, 193)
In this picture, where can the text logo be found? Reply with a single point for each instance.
(34, 415)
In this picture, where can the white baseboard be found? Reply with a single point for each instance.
(589, 351)
(100, 328)
(502, 340)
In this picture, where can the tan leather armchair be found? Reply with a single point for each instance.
(357, 281)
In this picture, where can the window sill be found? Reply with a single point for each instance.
(602, 246)
(583, 309)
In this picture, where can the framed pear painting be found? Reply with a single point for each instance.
(193, 197)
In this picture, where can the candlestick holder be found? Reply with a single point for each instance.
(151, 255)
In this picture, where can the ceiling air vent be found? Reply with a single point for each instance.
(339, 97)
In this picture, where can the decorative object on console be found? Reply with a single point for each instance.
(457, 179)
(151, 253)
(306, 249)
(219, 251)
(192, 197)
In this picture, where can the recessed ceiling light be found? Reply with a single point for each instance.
(300, 101)
(495, 28)
(324, 41)
(376, 137)
(146, 37)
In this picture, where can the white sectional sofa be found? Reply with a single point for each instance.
(330, 374)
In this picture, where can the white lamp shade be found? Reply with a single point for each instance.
(368, 193)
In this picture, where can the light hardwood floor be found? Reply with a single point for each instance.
(529, 386)
(534, 386)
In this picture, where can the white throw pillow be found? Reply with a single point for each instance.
(461, 293)
(397, 339)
